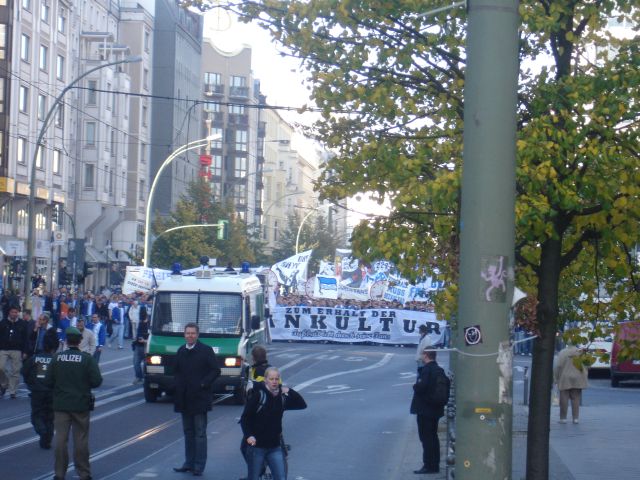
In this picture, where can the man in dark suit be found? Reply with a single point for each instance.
(427, 414)
(196, 369)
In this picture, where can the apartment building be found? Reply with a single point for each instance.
(232, 102)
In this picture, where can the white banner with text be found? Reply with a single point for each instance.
(351, 326)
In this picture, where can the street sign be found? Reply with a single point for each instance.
(59, 238)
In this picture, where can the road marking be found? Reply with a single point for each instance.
(402, 384)
(26, 426)
(334, 389)
(387, 357)
(130, 441)
(297, 360)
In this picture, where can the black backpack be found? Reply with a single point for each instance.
(438, 394)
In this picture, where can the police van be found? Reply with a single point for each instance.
(230, 311)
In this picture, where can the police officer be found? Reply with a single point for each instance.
(34, 371)
(72, 375)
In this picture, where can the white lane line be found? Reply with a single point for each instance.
(297, 360)
(387, 357)
(26, 426)
(129, 441)
(117, 370)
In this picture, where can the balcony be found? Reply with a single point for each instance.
(213, 89)
(239, 92)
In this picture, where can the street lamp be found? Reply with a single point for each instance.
(203, 142)
(302, 223)
(31, 236)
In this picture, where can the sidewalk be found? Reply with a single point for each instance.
(602, 445)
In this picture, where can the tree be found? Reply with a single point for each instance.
(196, 207)
(389, 83)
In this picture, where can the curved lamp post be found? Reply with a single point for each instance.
(203, 142)
(302, 223)
(31, 236)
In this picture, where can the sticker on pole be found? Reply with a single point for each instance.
(472, 335)
(493, 270)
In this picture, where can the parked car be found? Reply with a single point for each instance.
(625, 366)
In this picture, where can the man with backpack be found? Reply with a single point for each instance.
(430, 395)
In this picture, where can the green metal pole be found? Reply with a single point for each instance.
(484, 362)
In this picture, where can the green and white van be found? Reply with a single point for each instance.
(229, 309)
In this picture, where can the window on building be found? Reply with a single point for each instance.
(240, 167)
(40, 157)
(217, 132)
(113, 142)
(43, 61)
(23, 99)
(2, 80)
(238, 81)
(92, 95)
(21, 153)
(90, 134)
(212, 107)
(240, 194)
(44, 12)
(275, 231)
(114, 104)
(216, 165)
(147, 40)
(241, 140)
(42, 106)
(62, 20)
(145, 114)
(41, 221)
(1, 147)
(3, 41)
(141, 191)
(6, 213)
(26, 4)
(89, 176)
(239, 109)
(25, 48)
(145, 79)
(60, 67)
(109, 180)
(143, 152)
(60, 116)
(212, 79)
(56, 162)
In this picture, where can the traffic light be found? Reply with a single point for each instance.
(55, 214)
(223, 230)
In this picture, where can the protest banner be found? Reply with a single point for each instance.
(293, 269)
(388, 326)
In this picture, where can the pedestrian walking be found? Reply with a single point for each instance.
(255, 375)
(117, 322)
(428, 411)
(88, 340)
(14, 342)
(138, 346)
(571, 380)
(100, 333)
(37, 335)
(261, 423)
(72, 375)
(34, 371)
(196, 368)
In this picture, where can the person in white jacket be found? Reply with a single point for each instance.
(134, 318)
(571, 380)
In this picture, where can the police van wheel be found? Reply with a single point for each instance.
(150, 394)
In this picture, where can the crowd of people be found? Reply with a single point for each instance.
(294, 300)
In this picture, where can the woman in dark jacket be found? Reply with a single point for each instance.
(261, 423)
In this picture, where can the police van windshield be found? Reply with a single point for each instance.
(215, 313)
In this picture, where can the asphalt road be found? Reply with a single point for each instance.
(356, 424)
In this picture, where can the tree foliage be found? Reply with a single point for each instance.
(389, 81)
(196, 207)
